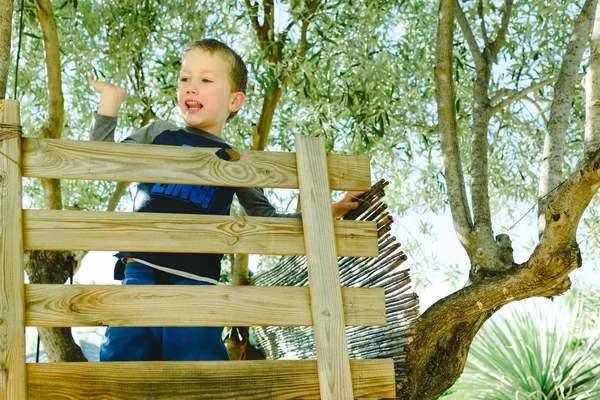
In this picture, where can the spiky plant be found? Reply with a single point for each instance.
(534, 351)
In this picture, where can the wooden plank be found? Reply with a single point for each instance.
(75, 159)
(162, 305)
(214, 380)
(323, 275)
(12, 304)
(92, 230)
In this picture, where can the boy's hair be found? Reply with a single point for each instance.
(238, 74)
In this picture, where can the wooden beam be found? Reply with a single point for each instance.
(162, 305)
(214, 380)
(335, 380)
(12, 303)
(92, 230)
(75, 159)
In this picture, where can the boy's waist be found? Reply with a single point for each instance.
(198, 264)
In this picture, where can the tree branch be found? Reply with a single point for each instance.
(55, 94)
(304, 37)
(276, 56)
(482, 220)
(269, 22)
(501, 38)
(481, 17)
(260, 31)
(283, 36)
(6, 12)
(266, 116)
(53, 129)
(540, 111)
(516, 95)
(580, 124)
(592, 92)
(500, 93)
(119, 192)
(468, 34)
(311, 8)
(560, 111)
(447, 122)
(253, 8)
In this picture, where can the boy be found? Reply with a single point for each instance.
(211, 89)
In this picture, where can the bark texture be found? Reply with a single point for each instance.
(237, 338)
(54, 267)
(53, 129)
(560, 110)
(592, 92)
(457, 194)
(6, 12)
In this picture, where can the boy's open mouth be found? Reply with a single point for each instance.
(193, 105)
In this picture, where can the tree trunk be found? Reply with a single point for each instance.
(48, 266)
(6, 12)
(54, 267)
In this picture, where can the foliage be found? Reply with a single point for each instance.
(366, 82)
(535, 351)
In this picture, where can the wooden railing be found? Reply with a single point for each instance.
(324, 304)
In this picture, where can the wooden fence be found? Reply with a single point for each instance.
(324, 304)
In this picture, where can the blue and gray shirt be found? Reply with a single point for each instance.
(182, 199)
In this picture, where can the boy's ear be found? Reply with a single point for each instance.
(237, 101)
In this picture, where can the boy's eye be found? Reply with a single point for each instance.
(184, 79)
(206, 80)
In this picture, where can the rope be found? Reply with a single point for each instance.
(9, 131)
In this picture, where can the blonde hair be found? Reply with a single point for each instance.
(238, 73)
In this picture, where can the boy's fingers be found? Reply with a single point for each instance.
(353, 196)
(93, 83)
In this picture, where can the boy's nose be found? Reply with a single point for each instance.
(191, 90)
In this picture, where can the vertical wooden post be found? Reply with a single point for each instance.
(12, 289)
(324, 279)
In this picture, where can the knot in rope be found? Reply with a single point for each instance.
(9, 131)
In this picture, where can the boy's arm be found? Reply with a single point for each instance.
(104, 123)
(105, 119)
(255, 203)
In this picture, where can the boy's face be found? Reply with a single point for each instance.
(205, 97)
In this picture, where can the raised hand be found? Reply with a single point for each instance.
(111, 96)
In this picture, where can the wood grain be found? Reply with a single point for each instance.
(90, 230)
(162, 305)
(12, 304)
(324, 280)
(75, 159)
(214, 380)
